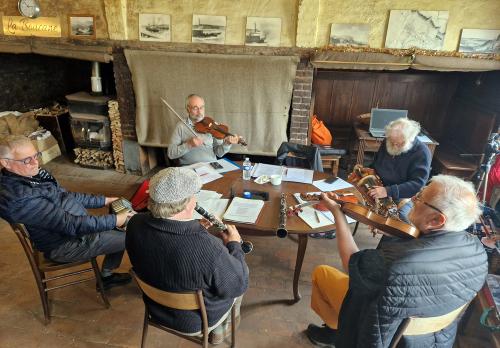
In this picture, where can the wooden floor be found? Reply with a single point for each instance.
(80, 320)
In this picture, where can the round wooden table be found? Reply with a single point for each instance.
(268, 220)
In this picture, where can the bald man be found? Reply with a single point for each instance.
(189, 149)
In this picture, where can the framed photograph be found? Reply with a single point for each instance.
(349, 34)
(81, 26)
(419, 29)
(263, 31)
(209, 29)
(480, 41)
(154, 27)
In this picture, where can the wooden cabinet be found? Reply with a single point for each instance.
(60, 127)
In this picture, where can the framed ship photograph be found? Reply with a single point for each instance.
(349, 34)
(263, 31)
(480, 41)
(81, 26)
(154, 27)
(209, 29)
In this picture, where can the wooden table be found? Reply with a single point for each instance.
(367, 143)
(268, 220)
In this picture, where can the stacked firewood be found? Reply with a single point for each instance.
(116, 135)
(94, 158)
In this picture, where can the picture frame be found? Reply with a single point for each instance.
(155, 27)
(480, 41)
(350, 34)
(263, 31)
(81, 26)
(208, 29)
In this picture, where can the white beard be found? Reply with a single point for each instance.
(396, 151)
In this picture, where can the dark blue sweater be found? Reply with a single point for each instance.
(52, 215)
(181, 256)
(403, 175)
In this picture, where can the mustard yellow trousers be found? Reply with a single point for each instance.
(329, 287)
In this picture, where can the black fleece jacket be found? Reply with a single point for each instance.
(182, 256)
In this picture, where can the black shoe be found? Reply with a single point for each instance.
(321, 336)
(115, 279)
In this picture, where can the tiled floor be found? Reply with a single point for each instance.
(80, 320)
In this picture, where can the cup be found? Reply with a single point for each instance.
(276, 179)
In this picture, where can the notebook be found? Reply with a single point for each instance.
(381, 118)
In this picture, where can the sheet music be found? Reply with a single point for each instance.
(207, 173)
(266, 169)
(244, 210)
(337, 185)
(299, 175)
(309, 216)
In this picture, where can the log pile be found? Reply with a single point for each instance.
(116, 135)
(94, 158)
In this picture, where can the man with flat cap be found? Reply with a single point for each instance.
(171, 251)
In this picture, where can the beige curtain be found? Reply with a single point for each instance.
(251, 94)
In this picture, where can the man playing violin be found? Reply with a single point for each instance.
(202, 148)
(403, 163)
(430, 276)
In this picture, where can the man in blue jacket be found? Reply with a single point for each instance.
(403, 163)
(57, 220)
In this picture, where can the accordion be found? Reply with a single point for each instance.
(120, 205)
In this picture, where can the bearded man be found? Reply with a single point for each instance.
(191, 149)
(403, 163)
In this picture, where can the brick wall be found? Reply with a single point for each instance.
(301, 103)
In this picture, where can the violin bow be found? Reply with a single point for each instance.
(179, 117)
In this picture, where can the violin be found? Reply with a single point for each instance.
(352, 208)
(364, 179)
(218, 130)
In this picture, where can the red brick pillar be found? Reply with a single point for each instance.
(301, 103)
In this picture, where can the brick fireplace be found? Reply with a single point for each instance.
(301, 103)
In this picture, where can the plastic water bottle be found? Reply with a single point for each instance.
(247, 169)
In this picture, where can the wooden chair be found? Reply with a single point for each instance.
(182, 301)
(421, 326)
(40, 266)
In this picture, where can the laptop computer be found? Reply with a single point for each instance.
(381, 118)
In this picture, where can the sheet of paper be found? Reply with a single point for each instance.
(207, 173)
(215, 206)
(244, 210)
(266, 169)
(227, 166)
(299, 175)
(337, 185)
(424, 138)
(204, 195)
(323, 214)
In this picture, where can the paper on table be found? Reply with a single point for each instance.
(207, 174)
(266, 169)
(337, 185)
(227, 166)
(244, 210)
(299, 175)
(324, 214)
(215, 206)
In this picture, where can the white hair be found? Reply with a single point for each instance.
(409, 129)
(457, 200)
(188, 98)
(10, 143)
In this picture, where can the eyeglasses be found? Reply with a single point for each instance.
(27, 160)
(197, 108)
(418, 197)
